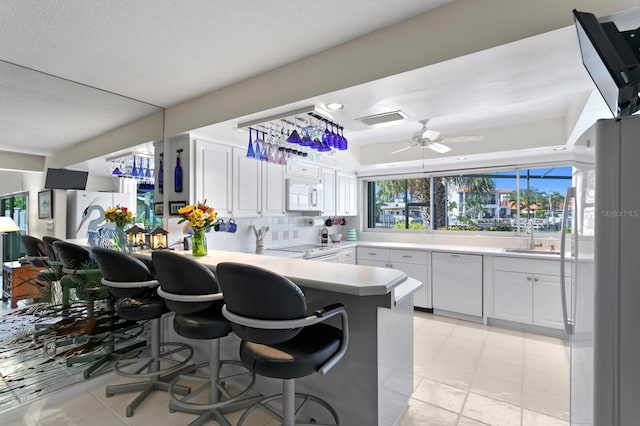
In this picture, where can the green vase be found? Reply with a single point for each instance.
(198, 242)
(119, 239)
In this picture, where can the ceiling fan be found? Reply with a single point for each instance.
(430, 138)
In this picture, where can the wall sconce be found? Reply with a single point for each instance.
(135, 236)
(158, 239)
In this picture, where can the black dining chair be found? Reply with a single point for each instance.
(191, 291)
(130, 281)
(281, 340)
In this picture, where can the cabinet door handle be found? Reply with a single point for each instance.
(407, 257)
(390, 265)
(529, 278)
(455, 256)
(303, 169)
(373, 254)
(536, 279)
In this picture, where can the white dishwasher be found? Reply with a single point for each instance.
(457, 283)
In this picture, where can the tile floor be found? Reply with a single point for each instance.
(466, 374)
(472, 374)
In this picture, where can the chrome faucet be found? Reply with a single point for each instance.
(532, 242)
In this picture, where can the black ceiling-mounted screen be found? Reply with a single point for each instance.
(65, 179)
(609, 57)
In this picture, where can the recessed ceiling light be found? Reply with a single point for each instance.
(334, 106)
(560, 148)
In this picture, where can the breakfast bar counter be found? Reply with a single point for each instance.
(372, 384)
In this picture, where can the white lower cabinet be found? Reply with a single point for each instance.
(347, 255)
(528, 292)
(411, 262)
(457, 283)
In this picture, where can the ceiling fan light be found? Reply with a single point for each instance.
(430, 134)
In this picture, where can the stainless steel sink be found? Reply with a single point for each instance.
(532, 251)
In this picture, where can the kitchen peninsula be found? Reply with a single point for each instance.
(372, 384)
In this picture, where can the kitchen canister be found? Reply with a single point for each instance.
(352, 234)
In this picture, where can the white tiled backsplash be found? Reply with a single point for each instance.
(292, 230)
(284, 231)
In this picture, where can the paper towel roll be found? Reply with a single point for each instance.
(314, 221)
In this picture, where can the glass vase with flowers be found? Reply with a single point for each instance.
(201, 218)
(121, 217)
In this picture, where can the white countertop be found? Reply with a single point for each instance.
(337, 277)
(494, 251)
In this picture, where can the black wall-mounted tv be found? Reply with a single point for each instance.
(65, 179)
(612, 59)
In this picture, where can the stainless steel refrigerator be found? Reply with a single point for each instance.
(601, 263)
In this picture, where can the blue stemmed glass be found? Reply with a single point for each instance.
(294, 137)
(342, 144)
(250, 152)
(265, 147)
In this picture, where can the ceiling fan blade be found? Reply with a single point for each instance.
(430, 134)
(402, 149)
(438, 147)
(456, 139)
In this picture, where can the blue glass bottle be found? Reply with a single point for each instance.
(161, 175)
(177, 174)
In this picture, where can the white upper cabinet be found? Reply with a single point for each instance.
(246, 186)
(258, 187)
(213, 175)
(346, 194)
(328, 192)
(303, 169)
(272, 185)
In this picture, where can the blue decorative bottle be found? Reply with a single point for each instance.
(177, 174)
(161, 175)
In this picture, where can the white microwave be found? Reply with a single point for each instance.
(303, 196)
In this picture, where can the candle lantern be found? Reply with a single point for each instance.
(135, 236)
(158, 239)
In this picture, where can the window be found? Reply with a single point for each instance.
(400, 204)
(503, 200)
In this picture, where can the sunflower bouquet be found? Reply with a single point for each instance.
(119, 215)
(199, 216)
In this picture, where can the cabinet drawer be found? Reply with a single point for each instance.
(408, 256)
(373, 253)
(306, 170)
(347, 254)
(533, 266)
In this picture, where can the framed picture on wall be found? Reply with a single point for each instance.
(158, 209)
(174, 206)
(45, 204)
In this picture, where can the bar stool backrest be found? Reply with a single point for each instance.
(121, 267)
(71, 255)
(256, 293)
(34, 247)
(48, 241)
(179, 274)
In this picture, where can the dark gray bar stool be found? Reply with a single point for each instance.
(130, 281)
(107, 336)
(191, 291)
(280, 340)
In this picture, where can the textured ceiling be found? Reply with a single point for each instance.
(165, 52)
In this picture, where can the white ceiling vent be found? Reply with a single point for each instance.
(384, 117)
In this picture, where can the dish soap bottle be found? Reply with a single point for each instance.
(177, 173)
(324, 235)
(161, 175)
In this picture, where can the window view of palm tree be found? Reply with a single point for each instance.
(492, 201)
(400, 204)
